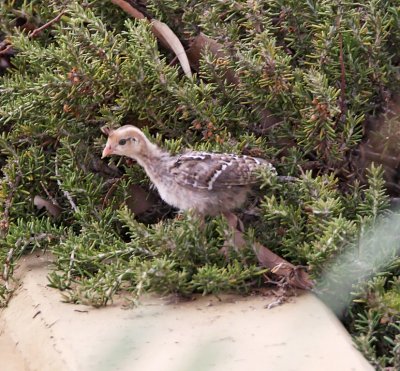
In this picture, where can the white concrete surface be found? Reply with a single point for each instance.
(39, 332)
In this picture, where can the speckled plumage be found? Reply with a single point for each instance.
(210, 183)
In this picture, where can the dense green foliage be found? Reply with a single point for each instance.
(307, 75)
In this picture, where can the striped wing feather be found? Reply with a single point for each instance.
(214, 171)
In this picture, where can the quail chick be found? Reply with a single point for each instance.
(209, 183)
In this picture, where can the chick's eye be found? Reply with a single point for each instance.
(122, 142)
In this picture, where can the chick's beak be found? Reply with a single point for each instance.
(107, 151)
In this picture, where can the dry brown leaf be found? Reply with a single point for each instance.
(295, 276)
(140, 200)
(165, 35)
(199, 45)
(128, 8)
(106, 130)
(52, 209)
(380, 146)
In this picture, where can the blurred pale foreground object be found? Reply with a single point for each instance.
(38, 332)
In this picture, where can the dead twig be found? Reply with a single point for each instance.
(6, 49)
(51, 198)
(279, 301)
(7, 265)
(71, 265)
(342, 101)
(111, 191)
(5, 222)
(38, 30)
(34, 32)
(20, 247)
(66, 193)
